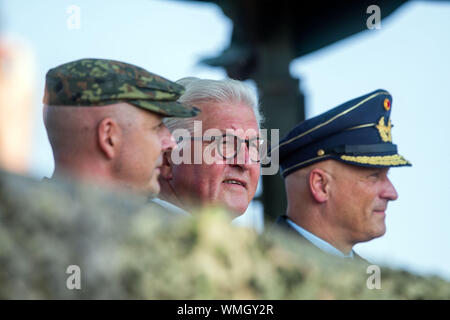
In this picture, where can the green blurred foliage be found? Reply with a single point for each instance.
(129, 249)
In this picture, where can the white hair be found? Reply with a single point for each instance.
(199, 91)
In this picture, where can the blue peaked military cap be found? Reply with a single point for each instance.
(357, 132)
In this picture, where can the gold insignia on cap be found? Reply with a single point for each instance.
(392, 160)
(387, 104)
(384, 130)
(320, 152)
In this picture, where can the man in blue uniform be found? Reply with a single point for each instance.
(335, 168)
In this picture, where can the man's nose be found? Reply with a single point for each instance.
(389, 191)
(167, 140)
(242, 157)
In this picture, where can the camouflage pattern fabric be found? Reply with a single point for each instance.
(128, 249)
(100, 82)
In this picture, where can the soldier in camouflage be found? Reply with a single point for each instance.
(104, 122)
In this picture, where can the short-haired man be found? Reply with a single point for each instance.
(104, 122)
(229, 132)
(335, 167)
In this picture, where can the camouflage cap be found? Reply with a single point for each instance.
(99, 82)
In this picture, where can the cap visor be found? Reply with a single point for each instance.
(167, 108)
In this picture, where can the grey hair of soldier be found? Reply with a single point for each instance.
(200, 91)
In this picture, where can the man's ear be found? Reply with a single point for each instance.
(166, 167)
(319, 185)
(109, 136)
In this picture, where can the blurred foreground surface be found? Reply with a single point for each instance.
(128, 249)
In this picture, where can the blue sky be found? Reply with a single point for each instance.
(408, 56)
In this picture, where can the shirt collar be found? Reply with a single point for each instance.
(321, 244)
(171, 207)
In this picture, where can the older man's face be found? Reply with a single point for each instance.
(228, 183)
(359, 201)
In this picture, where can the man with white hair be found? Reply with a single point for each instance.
(228, 131)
